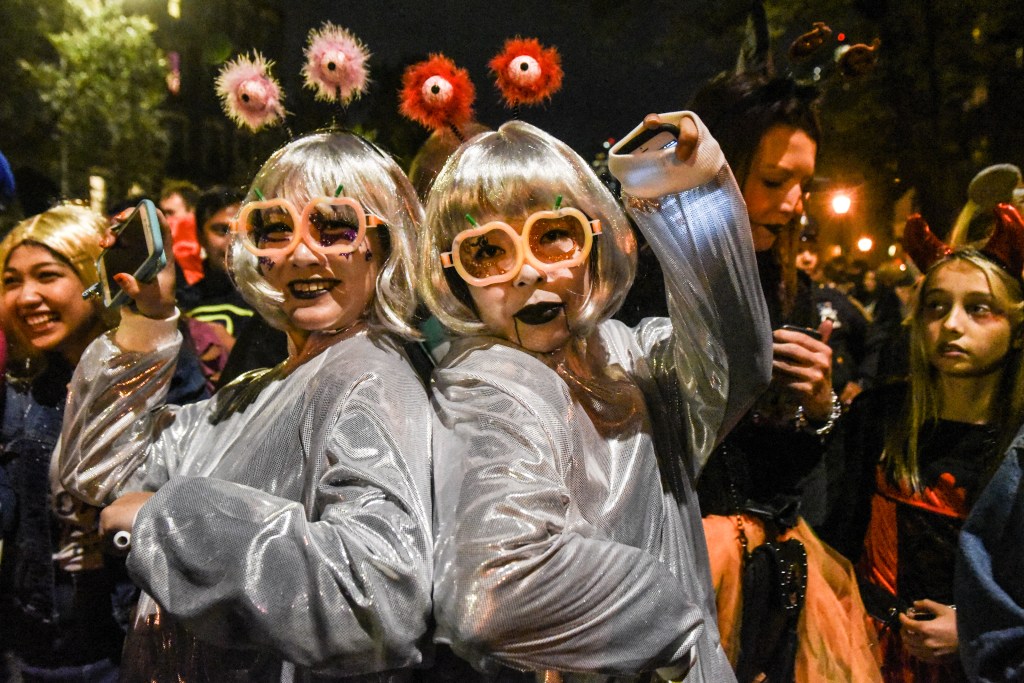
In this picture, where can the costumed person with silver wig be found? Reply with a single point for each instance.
(569, 540)
(288, 518)
(283, 528)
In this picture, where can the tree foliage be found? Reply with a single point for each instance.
(103, 87)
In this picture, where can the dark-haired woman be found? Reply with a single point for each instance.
(761, 480)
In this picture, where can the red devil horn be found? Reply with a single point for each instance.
(1006, 245)
(921, 243)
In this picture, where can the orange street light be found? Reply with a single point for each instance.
(841, 203)
(865, 244)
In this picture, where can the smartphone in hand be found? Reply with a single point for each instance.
(138, 251)
(663, 136)
(810, 332)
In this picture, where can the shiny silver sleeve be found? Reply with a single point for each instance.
(113, 416)
(340, 583)
(720, 347)
(515, 585)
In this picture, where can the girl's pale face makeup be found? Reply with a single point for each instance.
(534, 310)
(774, 188)
(966, 331)
(42, 297)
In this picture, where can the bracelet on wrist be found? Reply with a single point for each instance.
(800, 420)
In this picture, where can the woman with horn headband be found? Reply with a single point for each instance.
(756, 488)
(918, 456)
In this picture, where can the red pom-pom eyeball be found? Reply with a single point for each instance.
(437, 94)
(437, 90)
(526, 72)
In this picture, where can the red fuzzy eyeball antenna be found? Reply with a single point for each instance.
(437, 94)
(526, 72)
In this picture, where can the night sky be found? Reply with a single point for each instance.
(621, 60)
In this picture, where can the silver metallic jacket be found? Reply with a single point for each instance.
(289, 537)
(569, 536)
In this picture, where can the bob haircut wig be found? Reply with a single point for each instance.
(924, 398)
(314, 166)
(72, 233)
(507, 175)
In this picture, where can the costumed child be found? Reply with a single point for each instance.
(569, 535)
(64, 600)
(920, 455)
(283, 527)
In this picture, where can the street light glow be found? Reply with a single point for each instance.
(841, 203)
(865, 244)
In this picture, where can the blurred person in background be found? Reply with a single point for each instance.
(178, 203)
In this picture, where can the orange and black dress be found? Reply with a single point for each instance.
(910, 538)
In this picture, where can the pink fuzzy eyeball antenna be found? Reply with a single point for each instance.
(335, 64)
(251, 97)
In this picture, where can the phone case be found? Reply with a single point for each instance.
(153, 264)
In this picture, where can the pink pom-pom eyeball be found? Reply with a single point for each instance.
(331, 65)
(524, 70)
(249, 94)
(335, 64)
(437, 91)
(253, 95)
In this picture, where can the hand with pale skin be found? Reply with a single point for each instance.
(803, 366)
(153, 299)
(932, 640)
(688, 135)
(120, 515)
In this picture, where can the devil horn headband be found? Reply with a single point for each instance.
(1005, 246)
(921, 244)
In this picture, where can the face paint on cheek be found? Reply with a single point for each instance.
(265, 262)
(369, 255)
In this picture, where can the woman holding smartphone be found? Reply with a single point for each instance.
(64, 599)
(281, 528)
(758, 486)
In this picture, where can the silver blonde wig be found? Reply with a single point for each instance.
(314, 166)
(507, 175)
